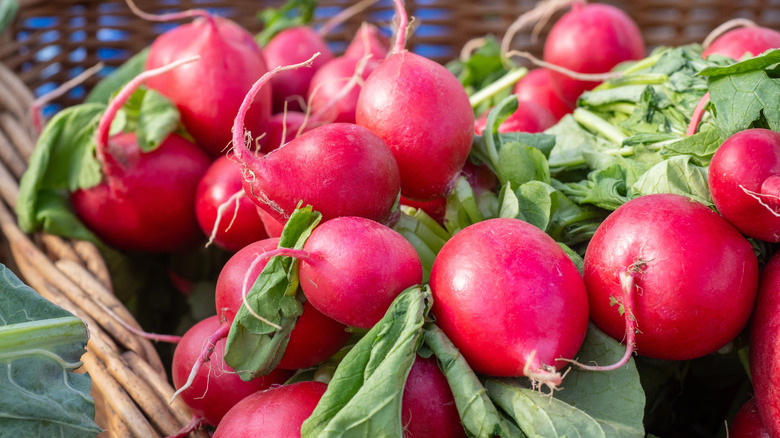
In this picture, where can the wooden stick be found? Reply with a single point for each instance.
(59, 249)
(11, 158)
(94, 261)
(19, 136)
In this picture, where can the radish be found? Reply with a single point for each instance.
(529, 117)
(435, 208)
(283, 127)
(591, 38)
(537, 87)
(428, 407)
(671, 276)
(273, 227)
(368, 40)
(510, 299)
(293, 46)
(315, 336)
(216, 387)
(238, 224)
(335, 87)
(352, 268)
(737, 43)
(747, 423)
(119, 210)
(397, 101)
(339, 169)
(277, 412)
(765, 347)
(231, 61)
(744, 180)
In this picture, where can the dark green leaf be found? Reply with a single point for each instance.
(157, 119)
(575, 258)
(700, 146)
(676, 175)
(519, 163)
(364, 397)
(479, 416)
(40, 344)
(254, 347)
(112, 83)
(541, 141)
(63, 160)
(758, 63)
(536, 203)
(8, 11)
(291, 14)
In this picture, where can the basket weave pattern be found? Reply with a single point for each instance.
(131, 388)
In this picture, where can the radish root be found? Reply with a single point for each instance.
(192, 13)
(221, 212)
(344, 15)
(196, 422)
(37, 104)
(725, 27)
(205, 354)
(539, 15)
(593, 77)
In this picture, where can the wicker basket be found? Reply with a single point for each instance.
(130, 385)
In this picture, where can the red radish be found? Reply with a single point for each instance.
(314, 338)
(339, 169)
(336, 86)
(397, 101)
(352, 268)
(529, 117)
(216, 387)
(765, 347)
(209, 92)
(537, 87)
(747, 423)
(591, 38)
(277, 412)
(670, 275)
(436, 208)
(292, 46)
(239, 224)
(738, 42)
(428, 408)
(510, 299)
(283, 127)
(744, 180)
(273, 227)
(368, 40)
(119, 210)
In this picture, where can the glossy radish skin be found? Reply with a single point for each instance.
(591, 38)
(368, 40)
(428, 407)
(695, 276)
(216, 387)
(765, 347)
(747, 423)
(292, 46)
(120, 210)
(744, 180)
(340, 169)
(738, 42)
(314, 338)
(278, 412)
(209, 92)
(333, 92)
(273, 227)
(509, 298)
(529, 117)
(397, 101)
(537, 87)
(356, 269)
(281, 128)
(221, 181)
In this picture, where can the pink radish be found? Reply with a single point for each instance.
(744, 180)
(368, 40)
(352, 268)
(120, 210)
(738, 42)
(747, 423)
(537, 87)
(428, 407)
(238, 224)
(591, 38)
(765, 347)
(397, 101)
(335, 87)
(529, 117)
(510, 299)
(282, 128)
(315, 336)
(273, 227)
(230, 62)
(670, 277)
(339, 169)
(278, 412)
(216, 387)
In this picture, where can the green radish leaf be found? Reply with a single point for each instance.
(63, 160)
(519, 163)
(479, 416)
(8, 11)
(676, 175)
(291, 14)
(482, 68)
(364, 397)
(111, 84)
(425, 234)
(40, 344)
(700, 146)
(158, 118)
(254, 347)
(536, 203)
(577, 259)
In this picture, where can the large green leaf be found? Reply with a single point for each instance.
(364, 397)
(676, 175)
(40, 344)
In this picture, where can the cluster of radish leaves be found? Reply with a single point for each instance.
(40, 344)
